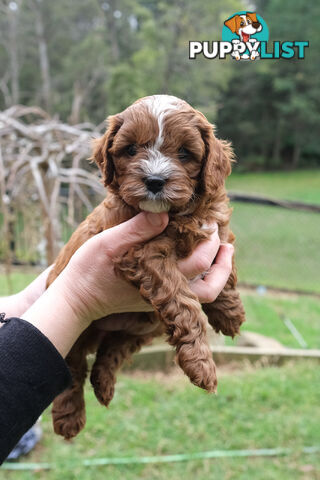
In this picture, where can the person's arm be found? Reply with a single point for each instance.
(32, 369)
(15, 305)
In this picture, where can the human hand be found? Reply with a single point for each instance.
(88, 289)
(98, 292)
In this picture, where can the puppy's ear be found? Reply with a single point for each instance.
(217, 160)
(231, 23)
(253, 17)
(101, 149)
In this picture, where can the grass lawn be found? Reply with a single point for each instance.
(265, 315)
(277, 247)
(263, 408)
(300, 185)
(19, 280)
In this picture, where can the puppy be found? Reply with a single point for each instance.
(158, 155)
(244, 26)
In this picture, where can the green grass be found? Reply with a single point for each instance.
(300, 185)
(266, 408)
(18, 279)
(265, 315)
(277, 247)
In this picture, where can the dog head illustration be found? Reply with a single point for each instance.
(244, 25)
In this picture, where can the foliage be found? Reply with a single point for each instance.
(84, 60)
(275, 110)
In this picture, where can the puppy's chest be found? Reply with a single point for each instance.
(186, 236)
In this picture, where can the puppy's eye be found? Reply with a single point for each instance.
(184, 154)
(241, 24)
(249, 22)
(131, 150)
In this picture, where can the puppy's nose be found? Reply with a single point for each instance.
(154, 183)
(256, 24)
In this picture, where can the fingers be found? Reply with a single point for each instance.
(142, 227)
(209, 288)
(202, 258)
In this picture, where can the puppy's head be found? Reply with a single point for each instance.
(160, 154)
(244, 25)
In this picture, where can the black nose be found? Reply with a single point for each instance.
(154, 183)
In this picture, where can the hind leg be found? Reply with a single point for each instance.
(114, 349)
(68, 412)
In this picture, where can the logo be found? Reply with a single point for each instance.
(245, 36)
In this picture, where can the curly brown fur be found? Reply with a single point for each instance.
(164, 136)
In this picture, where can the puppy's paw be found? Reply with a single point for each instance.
(197, 363)
(68, 425)
(103, 383)
(254, 55)
(205, 376)
(236, 55)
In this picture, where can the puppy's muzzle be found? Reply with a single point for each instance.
(154, 183)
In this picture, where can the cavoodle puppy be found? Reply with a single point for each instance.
(158, 155)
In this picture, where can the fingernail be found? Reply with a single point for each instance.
(230, 247)
(155, 219)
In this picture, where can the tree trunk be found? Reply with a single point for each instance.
(13, 54)
(296, 155)
(171, 59)
(43, 56)
(277, 145)
(78, 96)
(112, 31)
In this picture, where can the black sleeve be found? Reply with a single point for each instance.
(32, 374)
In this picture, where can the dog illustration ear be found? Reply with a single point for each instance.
(253, 17)
(101, 149)
(232, 23)
(217, 160)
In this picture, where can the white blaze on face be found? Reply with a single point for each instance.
(157, 163)
(159, 106)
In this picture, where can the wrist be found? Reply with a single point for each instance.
(14, 305)
(56, 318)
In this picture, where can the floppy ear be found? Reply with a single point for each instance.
(231, 23)
(253, 17)
(101, 149)
(217, 160)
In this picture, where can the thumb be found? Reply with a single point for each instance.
(138, 229)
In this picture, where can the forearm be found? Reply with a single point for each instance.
(55, 317)
(32, 374)
(12, 306)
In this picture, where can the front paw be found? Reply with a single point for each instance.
(236, 55)
(254, 55)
